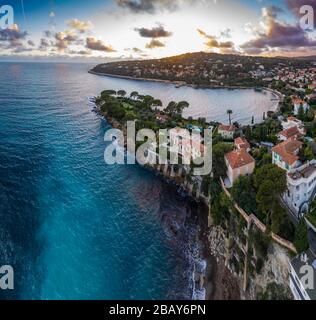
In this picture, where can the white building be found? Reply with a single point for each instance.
(293, 122)
(227, 132)
(298, 103)
(301, 184)
(302, 266)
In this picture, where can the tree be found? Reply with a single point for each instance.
(273, 173)
(230, 112)
(181, 106)
(301, 239)
(219, 151)
(270, 182)
(301, 113)
(175, 109)
(157, 103)
(308, 153)
(108, 93)
(134, 94)
(148, 100)
(243, 193)
(266, 198)
(121, 93)
(171, 108)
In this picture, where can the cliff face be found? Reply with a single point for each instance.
(271, 282)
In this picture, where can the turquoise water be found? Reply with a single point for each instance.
(71, 226)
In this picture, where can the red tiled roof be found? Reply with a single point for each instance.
(298, 101)
(223, 127)
(290, 133)
(287, 150)
(239, 158)
(292, 119)
(242, 143)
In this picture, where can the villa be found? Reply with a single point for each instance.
(162, 118)
(298, 103)
(242, 143)
(227, 132)
(301, 188)
(292, 133)
(185, 145)
(300, 266)
(239, 163)
(285, 154)
(293, 122)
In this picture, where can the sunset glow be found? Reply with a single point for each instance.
(111, 29)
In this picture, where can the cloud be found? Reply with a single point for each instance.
(31, 43)
(154, 43)
(277, 35)
(135, 50)
(271, 12)
(80, 52)
(68, 36)
(95, 44)
(226, 33)
(151, 6)
(44, 44)
(64, 38)
(212, 42)
(158, 32)
(12, 34)
(48, 33)
(80, 25)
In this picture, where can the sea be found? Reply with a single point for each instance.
(73, 227)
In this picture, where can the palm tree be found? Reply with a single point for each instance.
(230, 112)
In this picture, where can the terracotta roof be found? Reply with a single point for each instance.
(242, 143)
(223, 127)
(298, 101)
(287, 150)
(290, 133)
(239, 158)
(293, 119)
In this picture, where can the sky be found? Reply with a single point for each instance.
(110, 30)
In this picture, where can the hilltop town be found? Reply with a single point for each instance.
(218, 70)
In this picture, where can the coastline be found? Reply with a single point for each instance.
(215, 281)
(278, 94)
